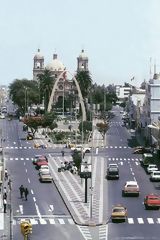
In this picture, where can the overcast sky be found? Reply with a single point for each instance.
(118, 36)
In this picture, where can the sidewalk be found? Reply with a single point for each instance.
(72, 190)
(5, 218)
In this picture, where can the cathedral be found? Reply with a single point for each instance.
(56, 67)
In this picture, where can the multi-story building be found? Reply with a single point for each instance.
(123, 92)
(153, 107)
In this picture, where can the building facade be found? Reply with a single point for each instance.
(66, 86)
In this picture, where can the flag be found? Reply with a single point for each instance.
(132, 78)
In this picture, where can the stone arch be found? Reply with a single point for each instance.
(81, 100)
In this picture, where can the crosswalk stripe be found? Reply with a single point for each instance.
(158, 220)
(42, 221)
(16, 158)
(33, 221)
(52, 221)
(70, 220)
(150, 220)
(130, 220)
(27, 158)
(22, 158)
(61, 221)
(140, 220)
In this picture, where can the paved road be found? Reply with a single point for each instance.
(141, 224)
(45, 207)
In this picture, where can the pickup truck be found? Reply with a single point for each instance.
(152, 201)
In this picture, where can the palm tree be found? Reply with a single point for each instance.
(85, 82)
(46, 81)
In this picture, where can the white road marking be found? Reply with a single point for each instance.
(158, 220)
(140, 220)
(51, 207)
(97, 150)
(61, 221)
(34, 199)
(150, 220)
(27, 158)
(70, 220)
(42, 221)
(22, 158)
(29, 180)
(21, 209)
(38, 212)
(26, 170)
(32, 191)
(16, 158)
(24, 163)
(130, 220)
(52, 221)
(33, 221)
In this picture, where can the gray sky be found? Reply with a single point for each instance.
(119, 37)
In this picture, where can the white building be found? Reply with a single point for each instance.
(122, 92)
(135, 109)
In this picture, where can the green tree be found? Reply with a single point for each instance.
(87, 126)
(46, 82)
(102, 128)
(33, 123)
(24, 93)
(85, 82)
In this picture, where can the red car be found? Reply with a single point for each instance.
(40, 163)
(152, 201)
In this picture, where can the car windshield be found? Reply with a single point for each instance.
(131, 185)
(157, 173)
(118, 210)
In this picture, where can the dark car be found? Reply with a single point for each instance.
(112, 173)
(141, 150)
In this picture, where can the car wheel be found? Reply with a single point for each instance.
(123, 193)
(151, 179)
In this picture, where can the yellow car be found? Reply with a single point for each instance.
(119, 212)
(29, 137)
(37, 145)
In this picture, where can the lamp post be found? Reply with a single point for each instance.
(25, 100)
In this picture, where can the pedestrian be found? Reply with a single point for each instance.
(62, 153)
(26, 193)
(4, 204)
(6, 174)
(5, 195)
(10, 184)
(21, 191)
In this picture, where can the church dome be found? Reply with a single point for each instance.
(55, 65)
(38, 55)
(83, 55)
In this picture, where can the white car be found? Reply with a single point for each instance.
(155, 176)
(2, 116)
(113, 165)
(151, 168)
(79, 148)
(44, 169)
(130, 188)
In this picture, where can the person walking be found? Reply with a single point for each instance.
(6, 174)
(4, 204)
(26, 192)
(21, 189)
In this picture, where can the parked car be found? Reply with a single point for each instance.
(155, 176)
(79, 148)
(130, 188)
(37, 145)
(112, 173)
(119, 212)
(151, 168)
(141, 150)
(45, 177)
(29, 136)
(2, 116)
(152, 201)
